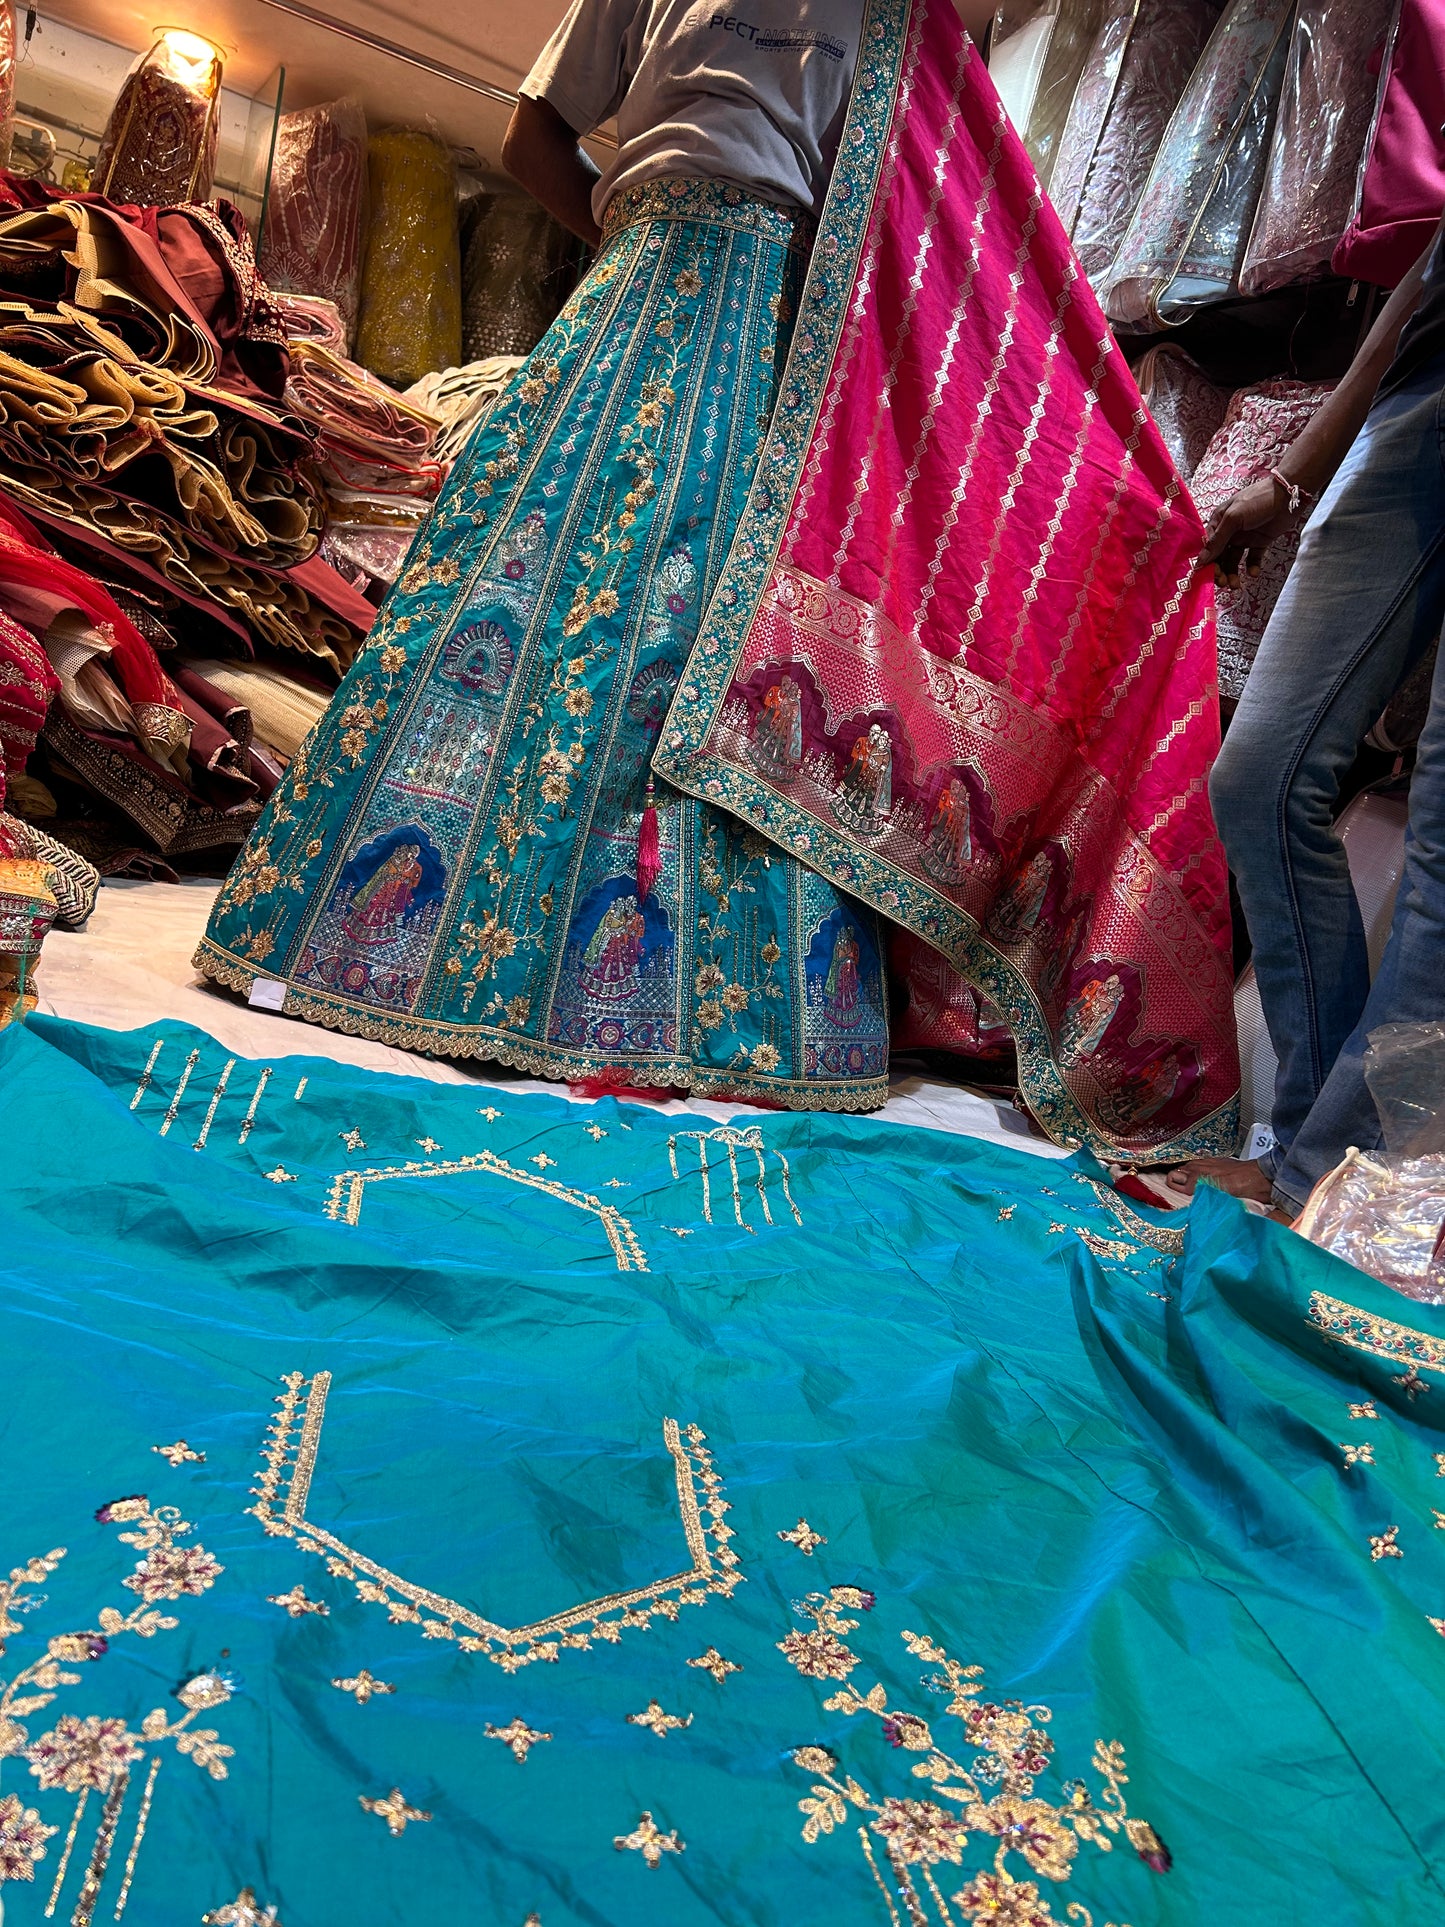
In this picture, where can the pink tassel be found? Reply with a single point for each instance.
(649, 849)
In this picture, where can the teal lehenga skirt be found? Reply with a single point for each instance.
(451, 864)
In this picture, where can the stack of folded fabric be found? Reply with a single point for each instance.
(378, 461)
(128, 759)
(462, 399)
(142, 416)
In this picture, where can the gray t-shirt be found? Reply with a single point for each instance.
(756, 98)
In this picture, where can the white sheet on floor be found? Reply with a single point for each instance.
(131, 966)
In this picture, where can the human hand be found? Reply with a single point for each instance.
(1241, 529)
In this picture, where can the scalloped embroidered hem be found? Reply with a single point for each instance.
(475, 1042)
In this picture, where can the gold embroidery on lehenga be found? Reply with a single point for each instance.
(395, 1811)
(735, 1140)
(658, 1722)
(713, 1662)
(216, 1096)
(1358, 1454)
(288, 1465)
(146, 1075)
(179, 1454)
(363, 1687)
(244, 1911)
(650, 1841)
(248, 1123)
(138, 1839)
(1367, 1410)
(1362, 1331)
(518, 1737)
(1385, 1545)
(175, 1103)
(348, 1192)
(990, 1794)
(804, 1538)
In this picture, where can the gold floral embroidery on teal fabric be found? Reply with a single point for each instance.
(95, 1754)
(986, 1795)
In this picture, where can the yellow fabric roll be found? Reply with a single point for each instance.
(411, 295)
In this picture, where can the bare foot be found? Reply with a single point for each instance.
(1240, 1177)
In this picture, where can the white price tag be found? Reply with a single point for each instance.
(267, 994)
(1260, 1139)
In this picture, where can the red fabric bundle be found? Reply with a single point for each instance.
(27, 684)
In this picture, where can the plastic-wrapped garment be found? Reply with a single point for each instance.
(1386, 1219)
(1186, 241)
(1136, 71)
(1187, 407)
(462, 399)
(1261, 423)
(411, 305)
(159, 144)
(313, 235)
(1401, 186)
(1021, 41)
(7, 80)
(1319, 140)
(1073, 27)
(519, 266)
(373, 553)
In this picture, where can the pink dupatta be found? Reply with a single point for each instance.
(959, 660)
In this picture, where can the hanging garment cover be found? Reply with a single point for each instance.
(1402, 180)
(1319, 142)
(314, 233)
(1137, 69)
(966, 578)
(487, 1509)
(1186, 242)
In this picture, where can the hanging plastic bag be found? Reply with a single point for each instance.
(411, 288)
(1320, 131)
(159, 145)
(1076, 24)
(1401, 185)
(1143, 54)
(313, 226)
(1186, 241)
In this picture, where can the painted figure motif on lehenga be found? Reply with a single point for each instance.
(846, 1020)
(610, 963)
(841, 987)
(617, 992)
(373, 939)
(776, 747)
(385, 899)
(864, 797)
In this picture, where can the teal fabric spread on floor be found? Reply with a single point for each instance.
(591, 1515)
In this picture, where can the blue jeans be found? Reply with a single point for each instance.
(1364, 601)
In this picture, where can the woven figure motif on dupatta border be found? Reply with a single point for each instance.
(960, 661)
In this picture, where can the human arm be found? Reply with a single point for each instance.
(1245, 525)
(542, 154)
